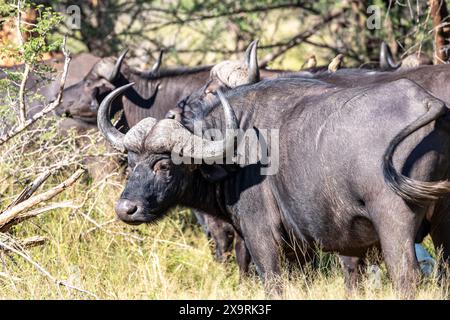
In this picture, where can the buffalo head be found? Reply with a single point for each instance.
(156, 182)
(82, 99)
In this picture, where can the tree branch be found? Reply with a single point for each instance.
(33, 213)
(30, 189)
(300, 37)
(23, 83)
(49, 108)
(26, 72)
(10, 214)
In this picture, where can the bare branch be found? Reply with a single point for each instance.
(26, 72)
(49, 108)
(23, 83)
(30, 189)
(299, 38)
(32, 242)
(177, 17)
(13, 212)
(33, 213)
(19, 22)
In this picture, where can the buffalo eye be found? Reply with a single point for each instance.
(161, 166)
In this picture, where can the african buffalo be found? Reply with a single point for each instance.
(47, 84)
(432, 78)
(157, 91)
(192, 108)
(42, 89)
(224, 76)
(336, 186)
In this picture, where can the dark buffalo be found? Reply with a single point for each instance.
(47, 84)
(224, 76)
(41, 89)
(192, 107)
(432, 78)
(155, 93)
(336, 187)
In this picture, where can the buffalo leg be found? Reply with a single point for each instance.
(397, 225)
(223, 236)
(352, 268)
(242, 255)
(265, 254)
(220, 231)
(440, 234)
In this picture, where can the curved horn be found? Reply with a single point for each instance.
(251, 61)
(231, 122)
(169, 135)
(158, 63)
(215, 150)
(116, 71)
(109, 132)
(386, 59)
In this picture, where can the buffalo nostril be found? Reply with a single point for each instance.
(126, 207)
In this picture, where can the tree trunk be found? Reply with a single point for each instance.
(439, 15)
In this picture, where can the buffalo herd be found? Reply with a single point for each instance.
(280, 163)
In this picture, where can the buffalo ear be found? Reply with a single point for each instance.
(213, 173)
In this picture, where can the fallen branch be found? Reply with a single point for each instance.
(30, 189)
(47, 109)
(30, 242)
(33, 213)
(13, 212)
